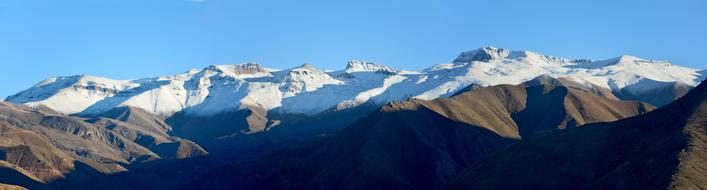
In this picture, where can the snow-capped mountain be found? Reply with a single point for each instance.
(308, 90)
(364, 66)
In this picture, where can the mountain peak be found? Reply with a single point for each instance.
(542, 79)
(486, 54)
(482, 54)
(305, 78)
(238, 69)
(624, 59)
(307, 66)
(630, 59)
(365, 66)
(306, 69)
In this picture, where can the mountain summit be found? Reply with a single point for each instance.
(483, 54)
(486, 54)
(364, 66)
(236, 70)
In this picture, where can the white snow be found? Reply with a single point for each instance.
(364, 66)
(308, 90)
(305, 78)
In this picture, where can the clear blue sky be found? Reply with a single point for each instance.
(127, 39)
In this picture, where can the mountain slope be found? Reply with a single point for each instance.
(32, 155)
(138, 117)
(11, 187)
(147, 130)
(540, 104)
(665, 148)
(44, 149)
(422, 144)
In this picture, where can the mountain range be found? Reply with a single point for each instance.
(223, 88)
(489, 116)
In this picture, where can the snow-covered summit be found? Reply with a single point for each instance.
(365, 66)
(305, 78)
(309, 90)
(487, 54)
(629, 59)
(70, 94)
(483, 54)
(244, 70)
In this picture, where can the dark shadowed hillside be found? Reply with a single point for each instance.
(666, 148)
(423, 144)
(41, 149)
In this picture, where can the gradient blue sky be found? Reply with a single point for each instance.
(127, 39)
